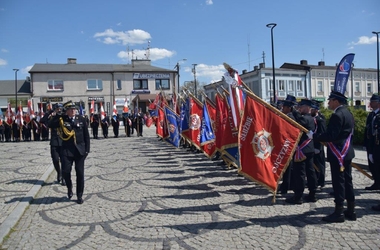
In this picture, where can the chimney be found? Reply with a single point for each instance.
(255, 68)
(71, 61)
(321, 63)
(244, 71)
(303, 62)
(262, 65)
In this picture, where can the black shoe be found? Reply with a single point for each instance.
(373, 187)
(310, 198)
(282, 191)
(63, 182)
(69, 194)
(376, 208)
(334, 217)
(80, 200)
(350, 215)
(294, 200)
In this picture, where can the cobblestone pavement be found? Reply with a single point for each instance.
(142, 193)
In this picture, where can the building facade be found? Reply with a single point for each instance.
(136, 83)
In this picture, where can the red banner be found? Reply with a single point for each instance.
(267, 143)
(161, 128)
(195, 122)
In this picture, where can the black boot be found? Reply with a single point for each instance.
(337, 216)
(350, 212)
(310, 197)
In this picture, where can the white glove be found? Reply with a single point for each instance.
(310, 134)
(370, 157)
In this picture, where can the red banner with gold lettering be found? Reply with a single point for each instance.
(161, 127)
(267, 142)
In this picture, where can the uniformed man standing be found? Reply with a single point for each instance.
(105, 123)
(368, 138)
(303, 157)
(55, 143)
(139, 123)
(115, 125)
(340, 152)
(75, 146)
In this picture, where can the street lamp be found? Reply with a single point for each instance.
(177, 66)
(271, 26)
(195, 80)
(378, 70)
(15, 70)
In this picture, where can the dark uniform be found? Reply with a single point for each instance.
(319, 158)
(115, 125)
(105, 124)
(95, 126)
(2, 128)
(44, 129)
(127, 126)
(340, 153)
(7, 131)
(287, 180)
(368, 137)
(36, 129)
(139, 123)
(16, 131)
(303, 160)
(75, 146)
(55, 144)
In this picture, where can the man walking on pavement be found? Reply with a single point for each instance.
(75, 137)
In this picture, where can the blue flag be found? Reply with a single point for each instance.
(185, 111)
(173, 122)
(80, 109)
(342, 73)
(207, 133)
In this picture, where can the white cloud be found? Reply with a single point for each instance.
(4, 50)
(26, 69)
(3, 62)
(130, 37)
(212, 72)
(363, 40)
(209, 2)
(154, 54)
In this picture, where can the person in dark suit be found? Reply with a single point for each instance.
(287, 182)
(75, 146)
(319, 158)
(55, 142)
(303, 157)
(340, 152)
(115, 125)
(368, 137)
(127, 124)
(139, 123)
(95, 125)
(105, 123)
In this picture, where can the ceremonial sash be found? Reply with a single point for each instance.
(340, 155)
(299, 155)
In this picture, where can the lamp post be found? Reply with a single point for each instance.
(378, 70)
(271, 26)
(195, 80)
(352, 84)
(177, 66)
(15, 70)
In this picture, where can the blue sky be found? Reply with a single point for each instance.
(204, 32)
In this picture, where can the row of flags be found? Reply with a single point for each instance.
(19, 116)
(249, 134)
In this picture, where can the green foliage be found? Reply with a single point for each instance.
(360, 117)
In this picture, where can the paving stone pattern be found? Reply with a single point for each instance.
(142, 193)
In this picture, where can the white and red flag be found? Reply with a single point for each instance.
(40, 112)
(267, 141)
(9, 114)
(114, 110)
(19, 116)
(125, 108)
(30, 113)
(102, 113)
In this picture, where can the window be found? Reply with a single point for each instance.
(55, 85)
(140, 84)
(369, 87)
(332, 86)
(291, 85)
(357, 87)
(94, 84)
(162, 84)
(281, 85)
(118, 84)
(319, 86)
(299, 85)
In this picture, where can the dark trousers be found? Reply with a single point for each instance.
(287, 183)
(320, 162)
(375, 167)
(342, 182)
(95, 132)
(300, 171)
(116, 131)
(67, 164)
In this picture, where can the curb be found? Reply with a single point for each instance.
(19, 210)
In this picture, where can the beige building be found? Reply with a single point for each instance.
(136, 83)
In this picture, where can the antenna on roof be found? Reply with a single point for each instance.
(128, 53)
(249, 54)
(263, 57)
(323, 54)
(147, 53)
